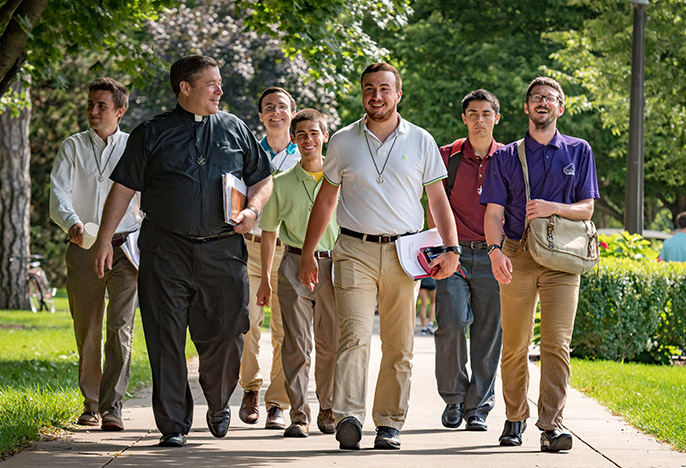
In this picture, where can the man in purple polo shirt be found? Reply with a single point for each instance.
(563, 181)
(469, 300)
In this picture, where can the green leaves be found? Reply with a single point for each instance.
(329, 34)
(631, 307)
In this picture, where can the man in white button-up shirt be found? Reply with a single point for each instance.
(79, 186)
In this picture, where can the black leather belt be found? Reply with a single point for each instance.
(379, 239)
(318, 254)
(203, 239)
(474, 245)
(255, 238)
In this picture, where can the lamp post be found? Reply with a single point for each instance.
(633, 217)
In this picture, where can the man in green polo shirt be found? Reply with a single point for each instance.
(287, 213)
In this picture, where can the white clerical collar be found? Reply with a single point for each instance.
(198, 118)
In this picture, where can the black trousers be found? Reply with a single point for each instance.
(203, 288)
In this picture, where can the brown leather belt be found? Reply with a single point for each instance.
(257, 239)
(119, 239)
(379, 239)
(474, 245)
(297, 251)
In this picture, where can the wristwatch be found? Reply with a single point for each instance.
(454, 248)
(492, 247)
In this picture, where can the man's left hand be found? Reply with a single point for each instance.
(447, 263)
(245, 221)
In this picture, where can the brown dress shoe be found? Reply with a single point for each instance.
(296, 430)
(250, 411)
(325, 421)
(275, 419)
(89, 418)
(110, 422)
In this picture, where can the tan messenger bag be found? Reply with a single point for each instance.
(559, 243)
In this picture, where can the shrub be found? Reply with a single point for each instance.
(631, 307)
(626, 245)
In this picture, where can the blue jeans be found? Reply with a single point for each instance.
(469, 302)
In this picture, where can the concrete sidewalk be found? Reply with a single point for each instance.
(600, 439)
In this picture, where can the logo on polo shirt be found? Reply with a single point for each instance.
(569, 170)
(404, 158)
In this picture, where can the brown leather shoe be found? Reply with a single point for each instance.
(325, 421)
(296, 430)
(250, 407)
(89, 418)
(110, 422)
(275, 419)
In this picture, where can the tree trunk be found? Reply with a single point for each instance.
(15, 197)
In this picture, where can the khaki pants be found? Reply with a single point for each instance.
(102, 389)
(365, 273)
(302, 310)
(250, 374)
(559, 294)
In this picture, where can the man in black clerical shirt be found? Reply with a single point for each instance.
(193, 266)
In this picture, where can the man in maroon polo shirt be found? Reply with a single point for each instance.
(470, 298)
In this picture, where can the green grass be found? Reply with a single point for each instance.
(38, 373)
(650, 397)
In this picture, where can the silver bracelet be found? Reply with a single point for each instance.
(254, 210)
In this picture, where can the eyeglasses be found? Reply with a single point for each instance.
(550, 98)
(278, 107)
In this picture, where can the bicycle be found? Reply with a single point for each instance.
(41, 295)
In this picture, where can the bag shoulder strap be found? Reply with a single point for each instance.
(521, 151)
(453, 161)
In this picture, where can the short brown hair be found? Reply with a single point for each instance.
(545, 81)
(120, 94)
(187, 69)
(382, 66)
(272, 90)
(681, 220)
(308, 114)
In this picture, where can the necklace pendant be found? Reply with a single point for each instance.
(100, 178)
(379, 180)
(201, 160)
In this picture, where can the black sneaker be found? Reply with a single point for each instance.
(349, 433)
(387, 438)
(554, 441)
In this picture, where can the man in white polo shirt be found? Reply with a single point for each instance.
(381, 164)
(276, 108)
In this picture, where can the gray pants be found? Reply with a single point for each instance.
(302, 310)
(202, 288)
(102, 389)
(470, 302)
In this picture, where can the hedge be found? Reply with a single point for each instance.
(631, 310)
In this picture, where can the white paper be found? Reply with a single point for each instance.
(408, 250)
(130, 248)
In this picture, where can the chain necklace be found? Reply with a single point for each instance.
(380, 179)
(201, 160)
(100, 176)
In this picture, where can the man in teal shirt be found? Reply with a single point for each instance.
(287, 213)
(674, 248)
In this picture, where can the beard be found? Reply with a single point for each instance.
(543, 121)
(381, 115)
